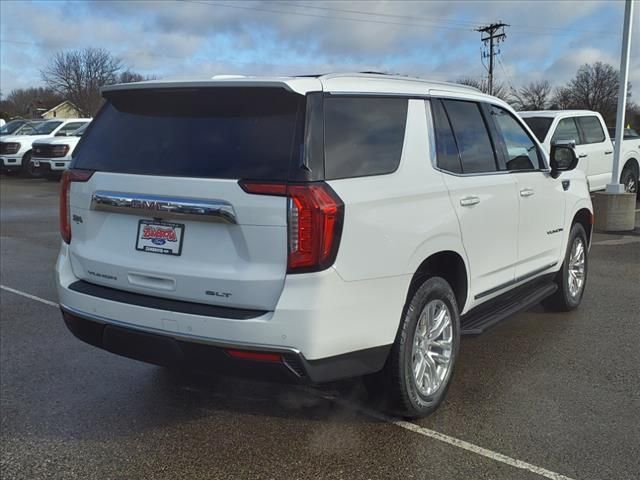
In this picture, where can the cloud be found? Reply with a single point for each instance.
(203, 37)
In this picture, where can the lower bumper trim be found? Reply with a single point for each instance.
(169, 351)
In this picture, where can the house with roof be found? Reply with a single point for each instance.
(65, 109)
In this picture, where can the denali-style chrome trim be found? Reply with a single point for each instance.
(163, 207)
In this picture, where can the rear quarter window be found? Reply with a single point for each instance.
(363, 136)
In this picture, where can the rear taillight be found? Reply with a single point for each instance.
(315, 215)
(68, 177)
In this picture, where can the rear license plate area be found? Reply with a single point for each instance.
(160, 237)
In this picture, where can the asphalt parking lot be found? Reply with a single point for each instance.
(540, 396)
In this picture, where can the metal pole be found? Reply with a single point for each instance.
(615, 186)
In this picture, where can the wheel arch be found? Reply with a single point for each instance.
(633, 162)
(449, 265)
(585, 218)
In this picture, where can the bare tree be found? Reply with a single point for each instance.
(595, 87)
(129, 76)
(23, 102)
(534, 96)
(79, 74)
(499, 89)
(562, 99)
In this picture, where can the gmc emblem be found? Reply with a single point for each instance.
(151, 205)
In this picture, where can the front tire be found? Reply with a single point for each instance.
(28, 170)
(572, 277)
(418, 371)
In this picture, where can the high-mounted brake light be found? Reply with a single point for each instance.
(315, 216)
(68, 177)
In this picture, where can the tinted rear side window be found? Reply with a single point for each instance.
(234, 133)
(363, 136)
(539, 126)
(447, 151)
(471, 136)
(592, 129)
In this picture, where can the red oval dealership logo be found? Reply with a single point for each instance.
(159, 233)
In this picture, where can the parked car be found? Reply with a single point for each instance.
(52, 156)
(593, 145)
(19, 127)
(315, 228)
(15, 150)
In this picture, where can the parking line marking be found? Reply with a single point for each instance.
(455, 442)
(412, 427)
(29, 296)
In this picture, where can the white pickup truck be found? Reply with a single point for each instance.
(593, 144)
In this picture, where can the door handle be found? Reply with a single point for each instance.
(608, 152)
(526, 192)
(469, 201)
(582, 156)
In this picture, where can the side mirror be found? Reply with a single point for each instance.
(61, 134)
(562, 159)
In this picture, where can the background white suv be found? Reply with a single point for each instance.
(315, 228)
(15, 150)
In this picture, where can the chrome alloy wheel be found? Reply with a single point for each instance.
(630, 185)
(575, 278)
(432, 347)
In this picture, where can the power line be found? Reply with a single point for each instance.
(313, 15)
(494, 34)
(463, 24)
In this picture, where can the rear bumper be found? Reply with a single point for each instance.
(206, 356)
(318, 314)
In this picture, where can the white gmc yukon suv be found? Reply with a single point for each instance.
(587, 130)
(315, 228)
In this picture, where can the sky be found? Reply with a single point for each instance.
(431, 39)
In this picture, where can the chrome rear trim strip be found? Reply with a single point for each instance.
(160, 206)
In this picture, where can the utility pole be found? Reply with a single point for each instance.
(494, 34)
(615, 186)
(614, 210)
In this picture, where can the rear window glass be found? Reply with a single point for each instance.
(592, 129)
(363, 136)
(471, 136)
(234, 133)
(539, 126)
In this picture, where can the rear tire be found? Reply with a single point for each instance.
(629, 178)
(572, 277)
(418, 372)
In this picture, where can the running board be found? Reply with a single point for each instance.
(487, 315)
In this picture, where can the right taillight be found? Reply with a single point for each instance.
(315, 215)
(68, 177)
